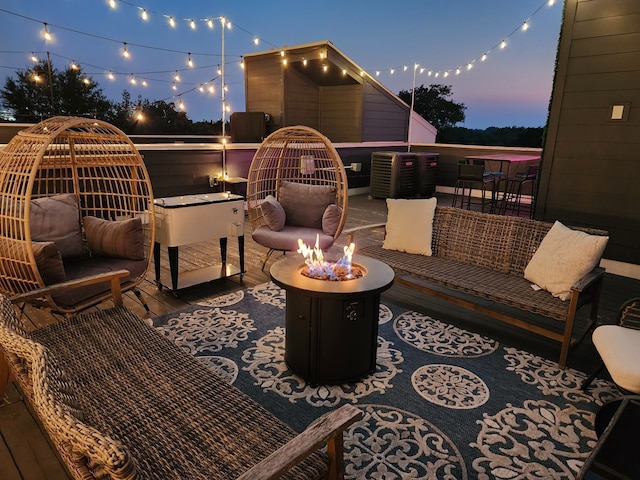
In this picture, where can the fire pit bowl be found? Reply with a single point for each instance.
(332, 326)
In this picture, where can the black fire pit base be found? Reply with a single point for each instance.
(332, 327)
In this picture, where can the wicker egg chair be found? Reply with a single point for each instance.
(76, 191)
(297, 189)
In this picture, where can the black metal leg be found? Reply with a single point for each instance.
(173, 265)
(223, 250)
(241, 252)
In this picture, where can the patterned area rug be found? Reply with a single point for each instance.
(442, 403)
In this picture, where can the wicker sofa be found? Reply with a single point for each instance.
(478, 261)
(119, 401)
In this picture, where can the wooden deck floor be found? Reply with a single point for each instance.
(26, 454)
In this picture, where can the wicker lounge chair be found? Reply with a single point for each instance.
(297, 188)
(76, 211)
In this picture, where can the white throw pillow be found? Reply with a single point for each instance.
(564, 257)
(409, 225)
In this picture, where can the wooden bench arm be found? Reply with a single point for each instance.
(112, 277)
(350, 232)
(589, 279)
(327, 430)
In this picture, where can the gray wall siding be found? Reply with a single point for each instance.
(591, 163)
(341, 113)
(301, 103)
(263, 88)
(383, 119)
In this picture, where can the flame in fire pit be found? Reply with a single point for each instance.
(317, 267)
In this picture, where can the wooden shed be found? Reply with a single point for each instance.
(318, 86)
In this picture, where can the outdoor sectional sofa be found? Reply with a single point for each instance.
(120, 401)
(480, 261)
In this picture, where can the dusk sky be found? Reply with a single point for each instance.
(511, 87)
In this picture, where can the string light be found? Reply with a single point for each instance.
(125, 51)
(144, 14)
(176, 77)
(73, 65)
(112, 4)
(132, 80)
(172, 22)
(46, 34)
(36, 78)
(181, 104)
(256, 40)
(189, 61)
(192, 24)
(503, 44)
(525, 26)
(144, 82)
(34, 58)
(111, 76)
(210, 23)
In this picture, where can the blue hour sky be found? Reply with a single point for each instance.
(511, 87)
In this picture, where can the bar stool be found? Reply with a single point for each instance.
(470, 176)
(514, 189)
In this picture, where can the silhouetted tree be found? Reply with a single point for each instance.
(42, 91)
(433, 104)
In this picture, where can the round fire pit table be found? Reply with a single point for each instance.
(332, 326)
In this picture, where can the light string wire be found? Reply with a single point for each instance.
(145, 11)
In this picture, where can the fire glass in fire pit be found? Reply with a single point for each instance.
(317, 267)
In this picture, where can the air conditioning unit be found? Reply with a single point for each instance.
(393, 175)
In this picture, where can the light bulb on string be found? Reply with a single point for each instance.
(176, 77)
(484, 57)
(242, 64)
(189, 61)
(34, 58)
(111, 76)
(405, 68)
(377, 73)
(180, 104)
(503, 44)
(304, 62)
(256, 41)
(46, 34)
(174, 87)
(219, 71)
(112, 4)
(192, 24)
(132, 80)
(36, 78)
(125, 51)
(392, 71)
(210, 23)
(212, 89)
(144, 82)
(201, 88)
(446, 74)
(421, 70)
(469, 66)
(525, 26)
(86, 81)
(172, 22)
(144, 14)
(73, 65)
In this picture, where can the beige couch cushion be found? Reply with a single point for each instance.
(564, 257)
(273, 213)
(49, 262)
(409, 225)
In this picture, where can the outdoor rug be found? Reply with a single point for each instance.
(443, 403)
